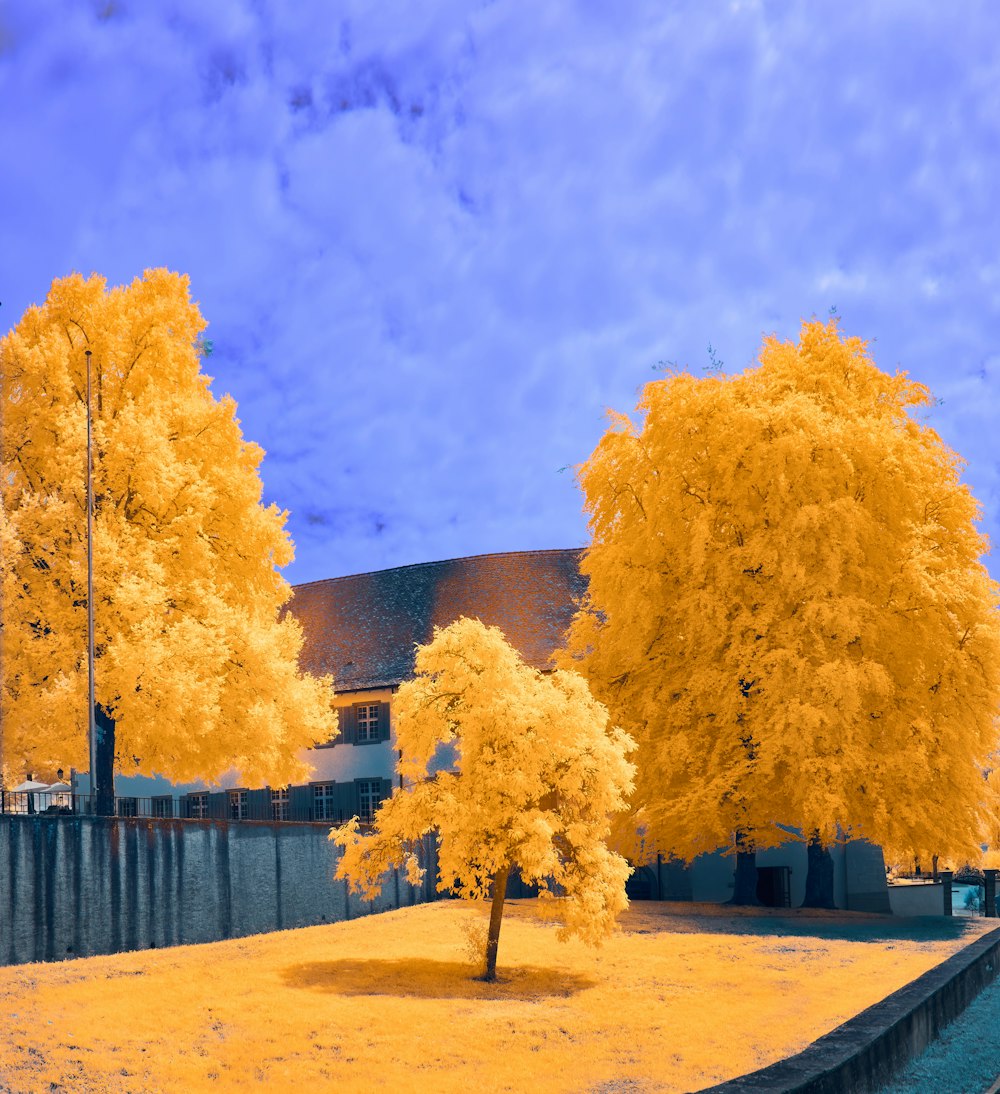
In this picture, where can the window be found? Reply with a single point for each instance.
(279, 804)
(127, 807)
(197, 806)
(369, 796)
(237, 805)
(163, 807)
(367, 721)
(324, 807)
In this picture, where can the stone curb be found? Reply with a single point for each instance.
(866, 1052)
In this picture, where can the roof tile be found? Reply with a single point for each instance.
(363, 628)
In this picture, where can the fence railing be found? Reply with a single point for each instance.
(224, 805)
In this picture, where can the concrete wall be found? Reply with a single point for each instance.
(858, 875)
(795, 856)
(866, 888)
(865, 1053)
(78, 886)
(923, 898)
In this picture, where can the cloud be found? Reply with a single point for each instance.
(434, 244)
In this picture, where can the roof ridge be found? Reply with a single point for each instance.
(442, 562)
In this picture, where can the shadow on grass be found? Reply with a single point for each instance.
(417, 978)
(847, 927)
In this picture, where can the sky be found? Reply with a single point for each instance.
(436, 242)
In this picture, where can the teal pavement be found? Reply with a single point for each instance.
(965, 1059)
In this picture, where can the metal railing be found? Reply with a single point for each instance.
(34, 802)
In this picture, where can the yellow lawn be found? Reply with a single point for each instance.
(673, 1002)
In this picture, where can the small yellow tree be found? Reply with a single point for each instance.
(196, 670)
(538, 773)
(788, 609)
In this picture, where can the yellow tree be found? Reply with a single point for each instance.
(537, 774)
(789, 612)
(195, 670)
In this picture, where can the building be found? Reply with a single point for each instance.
(363, 630)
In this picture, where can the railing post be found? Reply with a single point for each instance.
(946, 876)
(990, 877)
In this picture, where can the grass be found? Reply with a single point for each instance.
(965, 1057)
(682, 997)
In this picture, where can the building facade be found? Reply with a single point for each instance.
(364, 629)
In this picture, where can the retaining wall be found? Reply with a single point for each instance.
(79, 886)
(864, 1053)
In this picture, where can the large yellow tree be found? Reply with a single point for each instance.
(788, 609)
(195, 670)
(538, 772)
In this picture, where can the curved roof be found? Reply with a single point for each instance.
(363, 628)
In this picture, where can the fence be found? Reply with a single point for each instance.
(75, 886)
(304, 805)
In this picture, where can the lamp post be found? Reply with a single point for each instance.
(91, 726)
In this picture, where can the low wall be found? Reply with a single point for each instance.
(79, 886)
(922, 898)
(865, 1052)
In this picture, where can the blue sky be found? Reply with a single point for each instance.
(436, 242)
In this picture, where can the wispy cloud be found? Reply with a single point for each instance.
(435, 243)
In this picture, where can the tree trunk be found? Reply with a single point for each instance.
(819, 875)
(745, 878)
(102, 781)
(496, 914)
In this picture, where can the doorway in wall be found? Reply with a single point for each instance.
(774, 886)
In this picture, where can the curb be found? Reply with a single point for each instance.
(866, 1051)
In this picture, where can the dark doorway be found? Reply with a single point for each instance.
(642, 885)
(774, 886)
(517, 888)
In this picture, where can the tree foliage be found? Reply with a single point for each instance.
(194, 665)
(788, 609)
(538, 772)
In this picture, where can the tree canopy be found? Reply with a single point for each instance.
(538, 772)
(196, 669)
(788, 609)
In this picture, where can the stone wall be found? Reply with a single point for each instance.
(75, 886)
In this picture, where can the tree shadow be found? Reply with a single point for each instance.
(828, 926)
(418, 978)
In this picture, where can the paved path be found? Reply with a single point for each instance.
(965, 1059)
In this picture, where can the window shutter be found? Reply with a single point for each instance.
(349, 725)
(218, 805)
(386, 789)
(259, 804)
(347, 800)
(300, 803)
(338, 738)
(383, 721)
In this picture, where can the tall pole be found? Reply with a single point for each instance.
(91, 725)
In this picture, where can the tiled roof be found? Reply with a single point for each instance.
(363, 628)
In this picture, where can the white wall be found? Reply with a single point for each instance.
(331, 763)
(346, 762)
(922, 898)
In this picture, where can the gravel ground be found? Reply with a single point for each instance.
(965, 1059)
